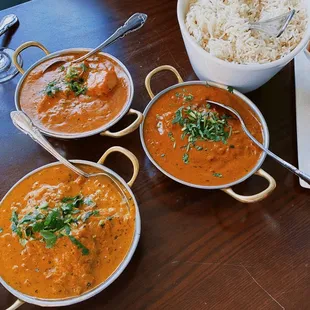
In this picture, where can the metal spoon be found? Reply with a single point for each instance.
(274, 26)
(23, 123)
(135, 22)
(284, 163)
(7, 22)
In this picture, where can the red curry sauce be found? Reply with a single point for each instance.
(75, 98)
(101, 228)
(205, 162)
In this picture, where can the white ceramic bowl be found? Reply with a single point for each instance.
(245, 78)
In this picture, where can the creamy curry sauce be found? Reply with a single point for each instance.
(75, 98)
(61, 234)
(181, 133)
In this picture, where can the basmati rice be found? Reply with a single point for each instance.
(221, 27)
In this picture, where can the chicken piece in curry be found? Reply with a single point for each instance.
(74, 98)
(62, 235)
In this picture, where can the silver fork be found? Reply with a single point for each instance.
(274, 26)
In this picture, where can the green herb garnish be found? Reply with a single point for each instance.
(189, 97)
(178, 117)
(84, 67)
(53, 223)
(77, 87)
(85, 251)
(1, 230)
(88, 214)
(171, 137)
(49, 237)
(74, 80)
(218, 175)
(14, 227)
(185, 158)
(52, 89)
(230, 89)
(201, 126)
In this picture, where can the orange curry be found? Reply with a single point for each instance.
(200, 143)
(75, 98)
(62, 234)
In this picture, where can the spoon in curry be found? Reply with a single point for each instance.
(281, 161)
(23, 123)
(133, 23)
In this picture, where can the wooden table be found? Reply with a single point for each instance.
(198, 249)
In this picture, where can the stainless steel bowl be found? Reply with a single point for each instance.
(73, 300)
(103, 130)
(226, 187)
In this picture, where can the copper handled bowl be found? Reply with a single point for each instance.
(227, 188)
(23, 298)
(103, 130)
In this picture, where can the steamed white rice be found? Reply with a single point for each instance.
(221, 27)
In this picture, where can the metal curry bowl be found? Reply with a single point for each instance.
(226, 187)
(43, 302)
(103, 130)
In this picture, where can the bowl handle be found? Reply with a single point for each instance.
(16, 305)
(21, 48)
(132, 127)
(156, 70)
(258, 197)
(129, 155)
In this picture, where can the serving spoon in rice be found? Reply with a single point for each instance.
(281, 161)
(274, 26)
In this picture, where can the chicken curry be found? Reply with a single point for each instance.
(75, 97)
(61, 234)
(200, 143)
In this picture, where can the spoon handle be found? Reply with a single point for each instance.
(6, 22)
(23, 123)
(135, 22)
(281, 161)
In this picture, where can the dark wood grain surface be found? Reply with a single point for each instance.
(199, 249)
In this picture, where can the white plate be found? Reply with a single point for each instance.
(302, 84)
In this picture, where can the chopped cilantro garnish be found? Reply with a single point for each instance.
(74, 80)
(189, 97)
(185, 158)
(52, 89)
(230, 89)
(218, 175)
(201, 126)
(52, 223)
(76, 242)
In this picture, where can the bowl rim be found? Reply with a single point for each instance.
(247, 101)
(98, 130)
(279, 62)
(44, 302)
